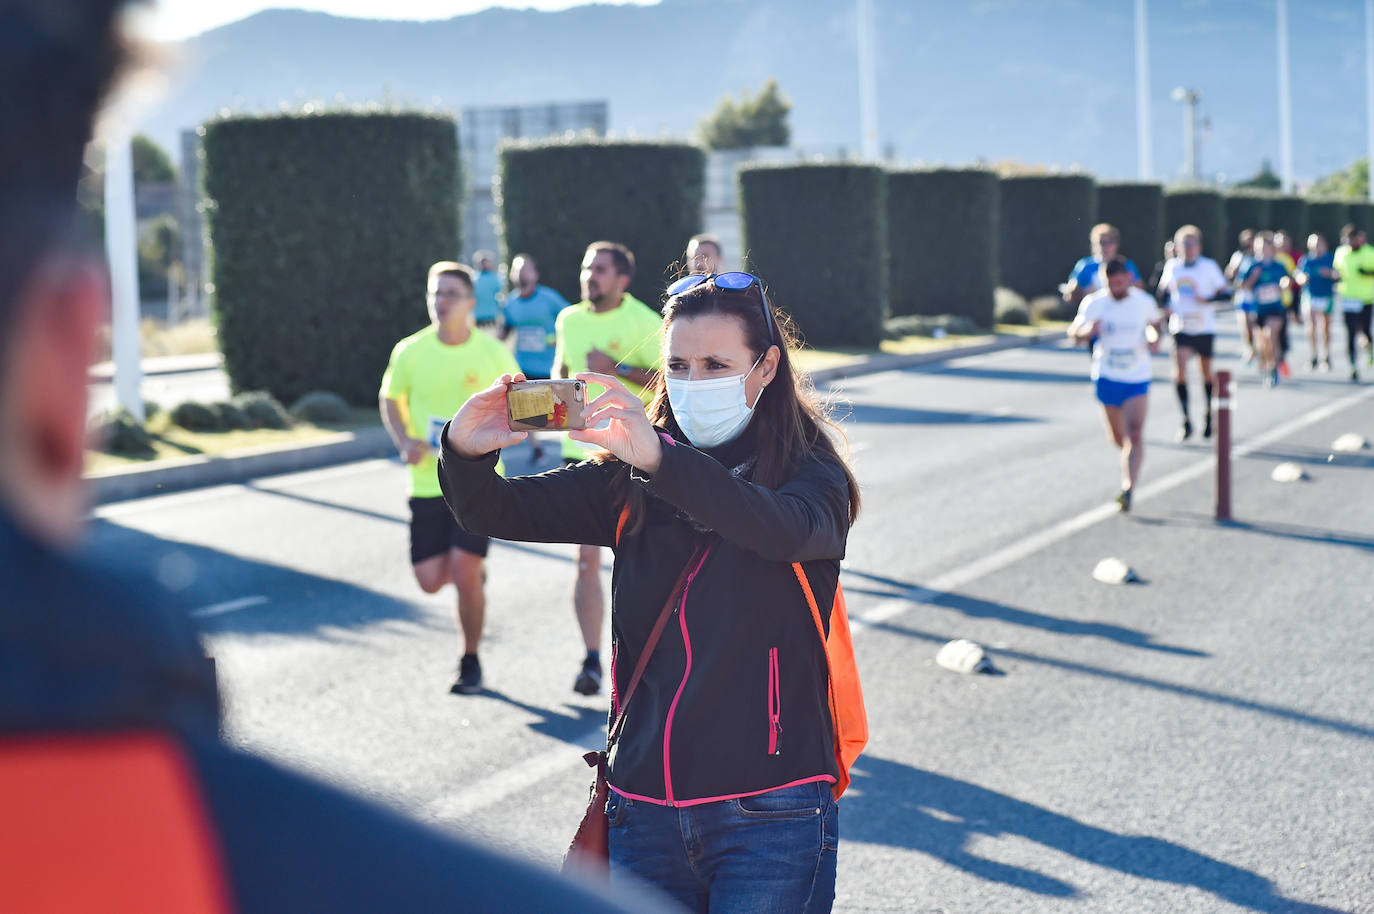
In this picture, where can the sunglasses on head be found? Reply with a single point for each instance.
(734, 282)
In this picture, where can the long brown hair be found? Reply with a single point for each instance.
(790, 423)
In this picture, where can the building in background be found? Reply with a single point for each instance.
(481, 132)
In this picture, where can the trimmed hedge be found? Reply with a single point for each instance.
(1246, 209)
(558, 196)
(323, 228)
(1207, 210)
(1362, 214)
(1327, 216)
(818, 235)
(1290, 214)
(1043, 228)
(1136, 208)
(942, 242)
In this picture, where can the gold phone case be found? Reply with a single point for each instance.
(540, 406)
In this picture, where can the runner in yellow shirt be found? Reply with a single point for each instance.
(609, 332)
(431, 375)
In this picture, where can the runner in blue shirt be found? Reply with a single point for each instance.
(489, 289)
(1267, 278)
(1085, 277)
(1317, 275)
(530, 312)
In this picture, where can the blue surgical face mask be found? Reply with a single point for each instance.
(711, 411)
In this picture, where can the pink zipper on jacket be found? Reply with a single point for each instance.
(687, 671)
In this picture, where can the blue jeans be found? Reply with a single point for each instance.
(767, 853)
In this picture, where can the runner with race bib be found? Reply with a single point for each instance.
(1193, 284)
(1125, 321)
(1266, 279)
(1316, 274)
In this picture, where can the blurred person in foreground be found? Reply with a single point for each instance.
(609, 332)
(118, 792)
(703, 255)
(725, 777)
(1124, 322)
(487, 286)
(1191, 285)
(531, 313)
(430, 374)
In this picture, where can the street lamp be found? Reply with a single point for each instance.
(1190, 98)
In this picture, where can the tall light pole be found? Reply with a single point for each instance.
(1285, 102)
(1369, 84)
(1144, 142)
(868, 83)
(1190, 97)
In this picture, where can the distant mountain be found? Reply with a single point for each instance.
(1039, 81)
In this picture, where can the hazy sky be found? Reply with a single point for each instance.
(171, 20)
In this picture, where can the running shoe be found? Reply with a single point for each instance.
(1283, 370)
(1123, 500)
(1326, 365)
(589, 679)
(1355, 375)
(1313, 366)
(1207, 427)
(1186, 431)
(469, 681)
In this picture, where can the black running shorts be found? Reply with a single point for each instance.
(1201, 343)
(433, 531)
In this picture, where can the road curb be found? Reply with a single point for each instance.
(889, 361)
(194, 473)
(103, 372)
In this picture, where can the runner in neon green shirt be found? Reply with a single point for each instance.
(431, 374)
(610, 332)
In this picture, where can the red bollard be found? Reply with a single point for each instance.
(1223, 445)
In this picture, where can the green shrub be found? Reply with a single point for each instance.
(1013, 314)
(262, 410)
(1043, 226)
(1053, 308)
(1246, 209)
(230, 416)
(197, 417)
(1136, 208)
(936, 325)
(1290, 214)
(817, 234)
(1207, 210)
(322, 407)
(1326, 216)
(151, 408)
(942, 242)
(323, 228)
(558, 196)
(120, 433)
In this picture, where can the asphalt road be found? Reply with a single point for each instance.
(1201, 741)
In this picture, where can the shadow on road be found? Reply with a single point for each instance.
(1313, 457)
(1323, 535)
(907, 415)
(1290, 714)
(198, 576)
(1018, 376)
(894, 804)
(986, 609)
(570, 727)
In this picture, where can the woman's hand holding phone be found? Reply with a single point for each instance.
(482, 425)
(628, 434)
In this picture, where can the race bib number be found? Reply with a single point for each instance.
(1267, 295)
(436, 431)
(1122, 360)
(1194, 322)
(531, 339)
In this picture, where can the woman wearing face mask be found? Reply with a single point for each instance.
(723, 775)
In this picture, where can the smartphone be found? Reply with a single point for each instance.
(535, 406)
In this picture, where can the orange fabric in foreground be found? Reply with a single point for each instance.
(109, 823)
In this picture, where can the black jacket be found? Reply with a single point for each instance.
(735, 697)
(92, 664)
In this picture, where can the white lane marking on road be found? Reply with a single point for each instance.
(1028, 545)
(228, 606)
(199, 496)
(507, 783)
